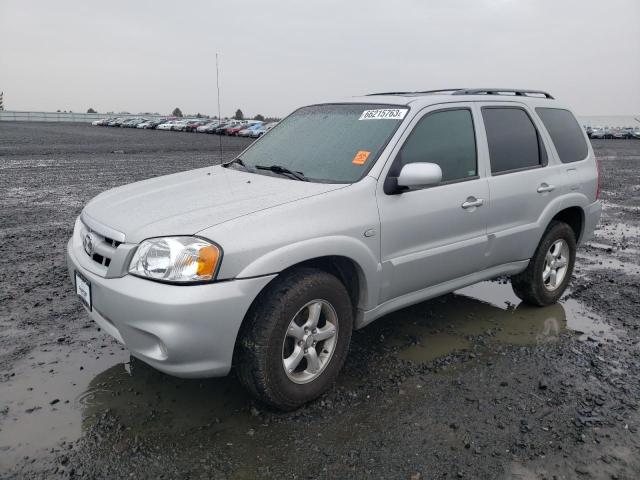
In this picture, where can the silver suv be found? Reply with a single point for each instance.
(342, 213)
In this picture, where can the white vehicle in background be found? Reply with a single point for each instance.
(180, 125)
(209, 127)
(258, 132)
(166, 126)
(146, 124)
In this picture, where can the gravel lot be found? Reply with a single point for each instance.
(470, 385)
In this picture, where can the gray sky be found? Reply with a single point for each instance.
(148, 55)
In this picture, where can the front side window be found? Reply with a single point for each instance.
(446, 138)
(565, 133)
(514, 143)
(333, 143)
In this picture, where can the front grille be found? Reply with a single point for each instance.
(112, 242)
(102, 248)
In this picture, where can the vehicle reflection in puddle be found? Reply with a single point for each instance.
(146, 399)
(57, 396)
(490, 314)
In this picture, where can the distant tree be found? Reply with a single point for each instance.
(58, 111)
(259, 117)
(176, 112)
(239, 115)
(199, 115)
(91, 110)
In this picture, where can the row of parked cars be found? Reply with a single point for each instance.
(240, 128)
(618, 133)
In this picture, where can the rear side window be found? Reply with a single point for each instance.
(565, 132)
(514, 143)
(446, 138)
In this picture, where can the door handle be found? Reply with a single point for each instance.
(545, 187)
(472, 202)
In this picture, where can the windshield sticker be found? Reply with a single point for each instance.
(360, 157)
(384, 113)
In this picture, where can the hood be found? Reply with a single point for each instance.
(188, 202)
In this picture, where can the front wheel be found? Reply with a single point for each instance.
(295, 338)
(549, 271)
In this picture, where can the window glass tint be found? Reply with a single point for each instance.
(512, 137)
(446, 138)
(565, 132)
(328, 143)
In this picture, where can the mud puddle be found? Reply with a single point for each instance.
(488, 315)
(57, 395)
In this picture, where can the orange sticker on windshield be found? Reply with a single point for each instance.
(360, 157)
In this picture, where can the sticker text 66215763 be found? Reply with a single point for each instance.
(384, 114)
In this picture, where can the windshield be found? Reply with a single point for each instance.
(334, 143)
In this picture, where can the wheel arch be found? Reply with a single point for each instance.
(574, 217)
(348, 258)
(349, 272)
(570, 209)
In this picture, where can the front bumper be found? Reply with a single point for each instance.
(182, 330)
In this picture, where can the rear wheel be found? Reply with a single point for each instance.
(295, 338)
(549, 271)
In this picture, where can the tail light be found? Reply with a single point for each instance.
(598, 180)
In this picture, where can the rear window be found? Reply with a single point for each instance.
(513, 140)
(565, 132)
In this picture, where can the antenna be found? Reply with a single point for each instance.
(219, 115)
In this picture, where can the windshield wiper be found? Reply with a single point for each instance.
(283, 171)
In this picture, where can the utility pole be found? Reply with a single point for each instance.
(219, 116)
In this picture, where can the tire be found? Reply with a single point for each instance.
(531, 285)
(265, 341)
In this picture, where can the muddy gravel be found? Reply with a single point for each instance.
(469, 385)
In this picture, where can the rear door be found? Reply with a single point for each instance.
(523, 180)
(435, 234)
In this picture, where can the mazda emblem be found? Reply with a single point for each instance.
(88, 245)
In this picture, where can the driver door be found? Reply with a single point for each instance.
(435, 234)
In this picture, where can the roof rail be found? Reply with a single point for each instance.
(473, 91)
(441, 90)
(415, 93)
(387, 93)
(499, 91)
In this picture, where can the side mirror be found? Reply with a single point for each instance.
(419, 175)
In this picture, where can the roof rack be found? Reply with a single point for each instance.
(474, 91)
(499, 91)
(416, 93)
(388, 93)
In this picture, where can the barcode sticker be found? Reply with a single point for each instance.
(384, 114)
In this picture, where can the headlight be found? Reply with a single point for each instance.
(176, 259)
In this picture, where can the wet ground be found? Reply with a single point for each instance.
(469, 385)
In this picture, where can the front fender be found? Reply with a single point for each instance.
(368, 267)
